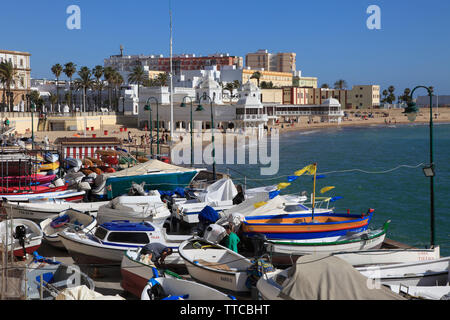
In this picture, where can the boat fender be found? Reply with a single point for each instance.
(60, 221)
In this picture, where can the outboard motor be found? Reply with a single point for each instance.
(20, 235)
(258, 241)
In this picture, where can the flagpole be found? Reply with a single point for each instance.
(171, 84)
(314, 192)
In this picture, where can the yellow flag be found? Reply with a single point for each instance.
(259, 204)
(325, 189)
(311, 169)
(283, 185)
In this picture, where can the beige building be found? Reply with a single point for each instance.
(280, 62)
(278, 79)
(309, 82)
(21, 64)
(272, 96)
(365, 96)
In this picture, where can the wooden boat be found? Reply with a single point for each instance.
(419, 273)
(320, 277)
(423, 292)
(135, 209)
(26, 235)
(301, 226)
(109, 241)
(179, 289)
(215, 265)
(49, 166)
(70, 218)
(29, 190)
(41, 210)
(67, 195)
(24, 180)
(365, 240)
(55, 278)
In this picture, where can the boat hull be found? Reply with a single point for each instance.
(135, 275)
(117, 186)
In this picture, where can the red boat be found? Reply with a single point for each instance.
(35, 178)
(29, 190)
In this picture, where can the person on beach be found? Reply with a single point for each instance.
(156, 252)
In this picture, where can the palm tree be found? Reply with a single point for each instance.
(340, 84)
(98, 74)
(57, 70)
(391, 98)
(385, 93)
(256, 75)
(325, 86)
(162, 79)
(84, 82)
(69, 69)
(53, 99)
(137, 76)
(8, 76)
(3, 82)
(108, 73)
(230, 86)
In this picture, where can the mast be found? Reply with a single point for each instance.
(171, 84)
(314, 192)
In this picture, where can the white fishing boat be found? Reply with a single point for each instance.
(135, 209)
(70, 218)
(109, 241)
(53, 278)
(179, 289)
(359, 241)
(422, 292)
(26, 235)
(321, 277)
(388, 256)
(67, 195)
(419, 273)
(49, 208)
(216, 265)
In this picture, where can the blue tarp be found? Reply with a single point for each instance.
(208, 215)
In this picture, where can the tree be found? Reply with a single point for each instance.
(53, 99)
(109, 74)
(8, 75)
(391, 97)
(84, 82)
(230, 86)
(98, 74)
(162, 79)
(69, 70)
(340, 84)
(256, 75)
(137, 76)
(325, 86)
(57, 69)
(385, 94)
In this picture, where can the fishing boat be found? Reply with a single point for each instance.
(70, 218)
(359, 241)
(49, 166)
(49, 208)
(418, 273)
(155, 174)
(179, 289)
(215, 265)
(53, 278)
(67, 195)
(136, 271)
(135, 209)
(26, 236)
(27, 180)
(29, 190)
(108, 242)
(423, 292)
(321, 277)
(295, 226)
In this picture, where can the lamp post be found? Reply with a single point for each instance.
(183, 105)
(200, 108)
(411, 111)
(149, 108)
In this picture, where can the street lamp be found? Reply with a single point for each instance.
(200, 108)
(149, 108)
(411, 112)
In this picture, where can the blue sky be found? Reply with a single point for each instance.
(330, 37)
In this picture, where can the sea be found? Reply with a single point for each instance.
(377, 167)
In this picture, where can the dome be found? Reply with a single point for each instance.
(331, 102)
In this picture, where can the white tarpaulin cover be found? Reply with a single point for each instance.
(324, 277)
(221, 190)
(84, 293)
(242, 209)
(151, 166)
(273, 206)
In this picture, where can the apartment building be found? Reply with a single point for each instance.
(278, 62)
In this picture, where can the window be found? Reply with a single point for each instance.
(129, 237)
(100, 233)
